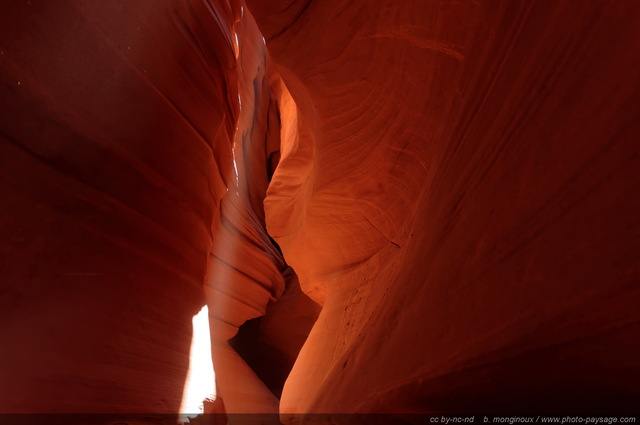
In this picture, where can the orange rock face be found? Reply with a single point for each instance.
(471, 208)
(421, 206)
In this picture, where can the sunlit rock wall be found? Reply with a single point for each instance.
(454, 183)
(466, 206)
(245, 267)
(138, 143)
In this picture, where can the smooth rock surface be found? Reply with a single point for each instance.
(113, 126)
(469, 213)
(454, 183)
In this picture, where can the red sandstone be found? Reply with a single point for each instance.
(433, 205)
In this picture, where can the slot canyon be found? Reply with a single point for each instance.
(382, 207)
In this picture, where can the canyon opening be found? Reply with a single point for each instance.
(362, 212)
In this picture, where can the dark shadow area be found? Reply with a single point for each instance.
(478, 417)
(270, 344)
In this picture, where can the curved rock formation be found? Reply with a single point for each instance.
(112, 123)
(474, 204)
(449, 187)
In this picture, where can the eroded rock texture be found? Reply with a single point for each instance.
(470, 217)
(450, 185)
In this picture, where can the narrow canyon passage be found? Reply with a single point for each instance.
(382, 206)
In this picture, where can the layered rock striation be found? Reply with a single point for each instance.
(387, 206)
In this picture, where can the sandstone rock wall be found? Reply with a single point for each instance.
(472, 226)
(114, 132)
(454, 184)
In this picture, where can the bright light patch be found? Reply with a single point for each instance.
(236, 45)
(235, 166)
(200, 383)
